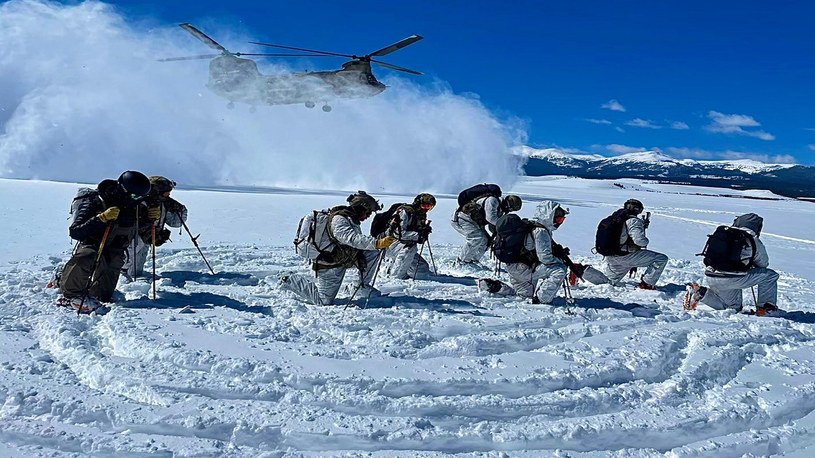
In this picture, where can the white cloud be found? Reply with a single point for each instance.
(624, 149)
(679, 125)
(619, 129)
(735, 124)
(95, 91)
(613, 105)
(810, 128)
(698, 153)
(598, 121)
(646, 123)
(812, 147)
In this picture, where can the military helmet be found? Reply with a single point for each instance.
(513, 202)
(633, 206)
(364, 200)
(135, 182)
(160, 184)
(424, 199)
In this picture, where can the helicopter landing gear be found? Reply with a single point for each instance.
(230, 105)
(326, 108)
(309, 104)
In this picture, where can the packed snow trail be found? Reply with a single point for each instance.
(441, 370)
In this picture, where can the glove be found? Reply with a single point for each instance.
(154, 213)
(646, 223)
(385, 242)
(109, 215)
(578, 270)
(424, 233)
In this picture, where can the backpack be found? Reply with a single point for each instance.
(510, 234)
(480, 190)
(607, 239)
(382, 220)
(313, 238)
(723, 249)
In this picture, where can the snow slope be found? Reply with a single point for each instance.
(441, 371)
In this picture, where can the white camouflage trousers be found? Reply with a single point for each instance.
(726, 292)
(619, 266)
(475, 235)
(323, 289)
(543, 281)
(407, 262)
(136, 258)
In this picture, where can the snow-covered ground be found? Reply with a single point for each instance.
(255, 372)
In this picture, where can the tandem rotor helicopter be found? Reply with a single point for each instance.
(238, 79)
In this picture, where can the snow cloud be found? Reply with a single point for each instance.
(735, 124)
(645, 123)
(84, 99)
(613, 105)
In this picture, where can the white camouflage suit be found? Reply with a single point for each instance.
(543, 279)
(407, 262)
(324, 289)
(725, 288)
(476, 235)
(138, 249)
(634, 242)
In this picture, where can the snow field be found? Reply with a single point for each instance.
(438, 370)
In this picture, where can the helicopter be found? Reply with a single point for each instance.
(238, 80)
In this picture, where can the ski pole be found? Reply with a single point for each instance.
(755, 299)
(567, 293)
(153, 236)
(373, 280)
(93, 269)
(432, 261)
(195, 242)
(416, 262)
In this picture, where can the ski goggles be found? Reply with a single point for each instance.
(558, 220)
(426, 207)
(136, 197)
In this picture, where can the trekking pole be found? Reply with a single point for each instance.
(755, 299)
(567, 292)
(195, 242)
(416, 263)
(432, 261)
(153, 236)
(93, 269)
(373, 280)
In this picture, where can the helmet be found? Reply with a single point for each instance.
(425, 201)
(364, 200)
(135, 183)
(633, 206)
(160, 185)
(513, 202)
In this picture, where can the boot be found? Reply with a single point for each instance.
(694, 293)
(762, 310)
(644, 285)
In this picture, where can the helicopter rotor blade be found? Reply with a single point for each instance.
(326, 53)
(279, 54)
(396, 67)
(202, 56)
(202, 36)
(396, 46)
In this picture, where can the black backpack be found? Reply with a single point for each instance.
(382, 220)
(510, 233)
(607, 239)
(723, 249)
(479, 190)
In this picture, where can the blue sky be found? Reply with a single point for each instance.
(721, 79)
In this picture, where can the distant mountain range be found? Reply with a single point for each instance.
(785, 179)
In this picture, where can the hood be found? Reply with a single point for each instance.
(545, 214)
(750, 221)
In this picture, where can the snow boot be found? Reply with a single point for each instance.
(766, 309)
(694, 293)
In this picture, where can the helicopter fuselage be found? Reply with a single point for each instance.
(239, 80)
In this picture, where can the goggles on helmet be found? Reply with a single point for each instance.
(426, 206)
